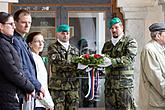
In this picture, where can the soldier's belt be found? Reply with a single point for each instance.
(66, 79)
(124, 72)
(121, 88)
(118, 75)
(121, 68)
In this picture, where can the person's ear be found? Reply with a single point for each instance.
(57, 35)
(30, 43)
(1, 25)
(157, 37)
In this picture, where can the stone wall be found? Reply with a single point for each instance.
(138, 16)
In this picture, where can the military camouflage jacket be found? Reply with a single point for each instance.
(64, 72)
(123, 53)
(122, 57)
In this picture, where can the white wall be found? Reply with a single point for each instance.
(4, 4)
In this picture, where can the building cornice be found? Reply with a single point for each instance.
(7, 1)
(137, 3)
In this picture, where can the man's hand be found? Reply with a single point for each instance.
(42, 91)
(40, 96)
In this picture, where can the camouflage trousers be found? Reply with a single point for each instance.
(119, 90)
(65, 99)
(119, 99)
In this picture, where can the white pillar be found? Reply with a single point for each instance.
(100, 32)
(4, 4)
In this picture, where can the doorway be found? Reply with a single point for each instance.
(89, 28)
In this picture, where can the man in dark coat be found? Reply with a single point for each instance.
(23, 22)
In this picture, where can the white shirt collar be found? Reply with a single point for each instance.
(65, 44)
(116, 40)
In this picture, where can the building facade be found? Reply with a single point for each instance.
(88, 20)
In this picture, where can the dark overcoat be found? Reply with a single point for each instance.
(12, 79)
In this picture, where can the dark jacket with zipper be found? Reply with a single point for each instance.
(12, 79)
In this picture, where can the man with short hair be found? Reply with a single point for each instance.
(152, 72)
(64, 82)
(23, 22)
(121, 50)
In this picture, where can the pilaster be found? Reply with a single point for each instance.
(138, 16)
(162, 4)
(4, 4)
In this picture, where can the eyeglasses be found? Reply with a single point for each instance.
(11, 24)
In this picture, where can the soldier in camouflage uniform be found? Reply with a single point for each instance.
(63, 84)
(121, 50)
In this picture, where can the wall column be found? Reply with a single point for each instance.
(138, 16)
(162, 4)
(4, 4)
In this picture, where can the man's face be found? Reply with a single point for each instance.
(63, 36)
(117, 30)
(24, 23)
(161, 38)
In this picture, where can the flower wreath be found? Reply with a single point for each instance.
(90, 60)
(92, 64)
(93, 60)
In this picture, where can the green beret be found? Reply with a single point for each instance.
(63, 28)
(114, 21)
